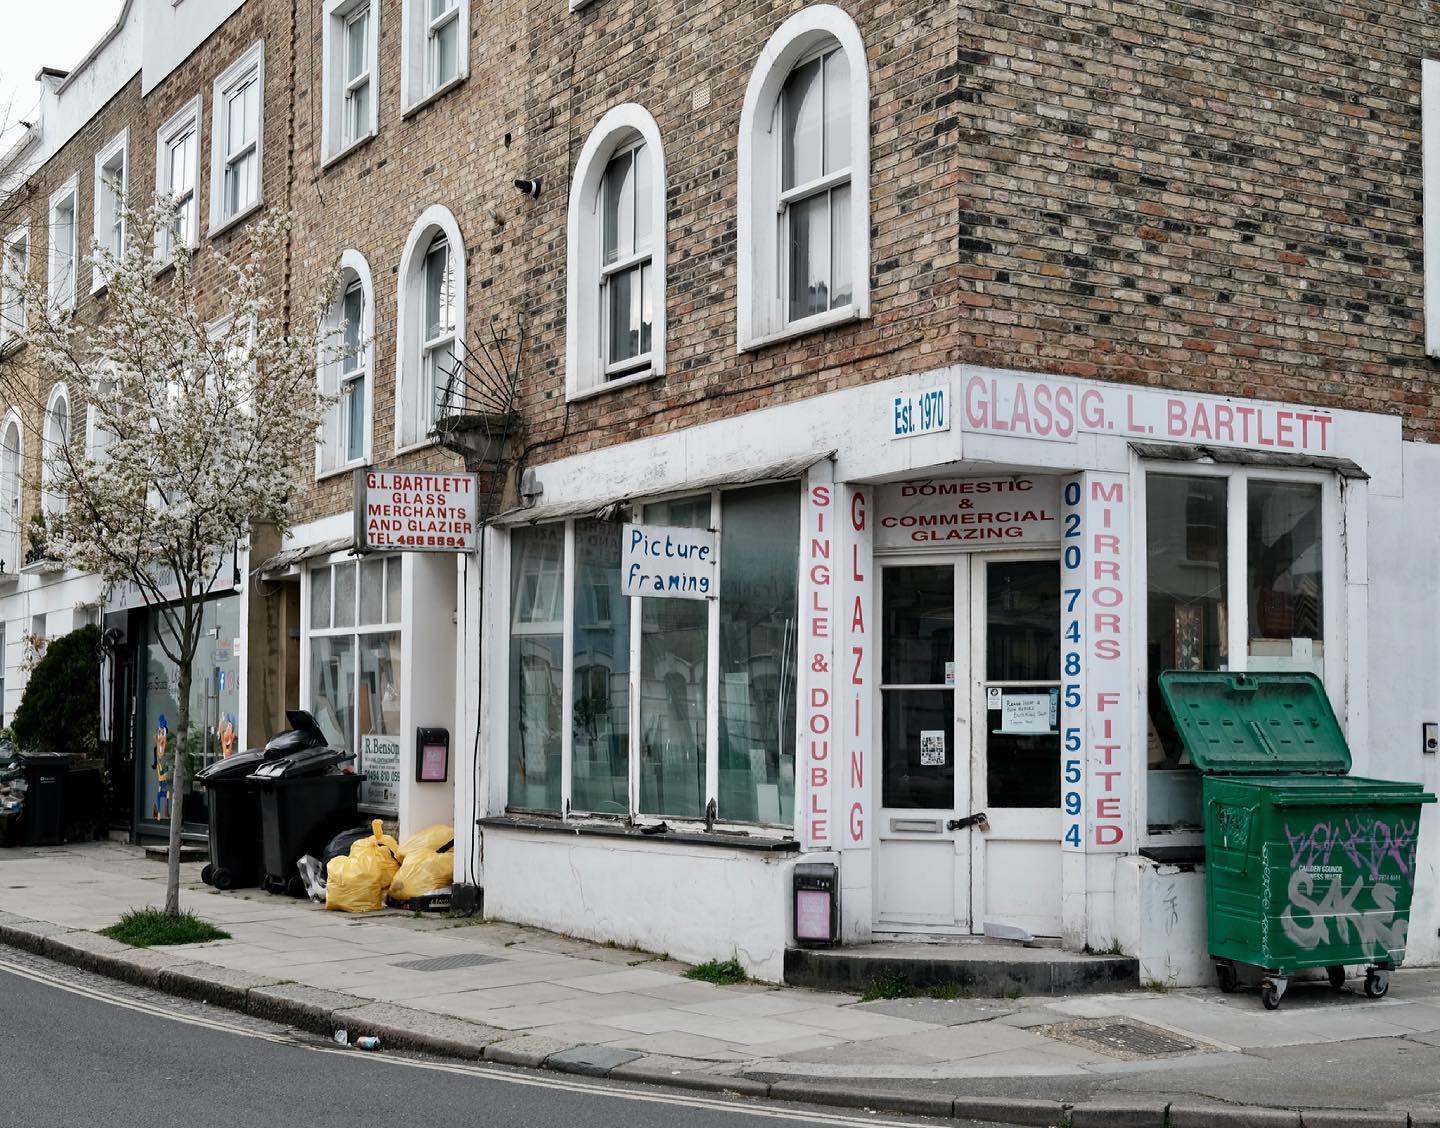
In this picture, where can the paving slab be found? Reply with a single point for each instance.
(592, 1061)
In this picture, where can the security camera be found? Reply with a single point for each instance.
(531, 188)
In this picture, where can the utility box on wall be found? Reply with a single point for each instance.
(432, 755)
(815, 888)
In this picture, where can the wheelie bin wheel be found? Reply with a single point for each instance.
(222, 878)
(1377, 984)
(295, 886)
(1270, 996)
(1225, 973)
(207, 875)
(1337, 975)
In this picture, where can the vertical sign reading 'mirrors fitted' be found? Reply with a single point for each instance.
(855, 681)
(817, 653)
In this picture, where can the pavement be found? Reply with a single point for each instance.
(486, 990)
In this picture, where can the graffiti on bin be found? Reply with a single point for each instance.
(1367, 841)
(1374, 925)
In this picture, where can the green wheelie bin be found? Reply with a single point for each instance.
(1305, 865)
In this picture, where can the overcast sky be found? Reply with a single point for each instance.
(43, 33)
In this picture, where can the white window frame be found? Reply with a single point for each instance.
(52, 501)
(330, 454)
(761, 315)
(410, 347)
(249, 67)
(187, 120)
(12, 496)
(12, 289)
(336, 88)
(585, 370)
(63, 298)
(416, 36)
(1430, 157)
(110, 202)
(1335, 514)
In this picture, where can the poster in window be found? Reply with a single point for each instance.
(380, 761)
(932, 748)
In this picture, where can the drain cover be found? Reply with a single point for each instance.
(1120, 1037)
(448, 963)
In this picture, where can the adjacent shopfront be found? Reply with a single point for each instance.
(928, 657)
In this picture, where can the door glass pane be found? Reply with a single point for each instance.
(1022, 644)
(759, 601)
(1186, 623)
(372, 591)
(394, 573)
(332, 688)
(1285, 583)
(319, 598)
(918, 745)
(919, 625)
(344, 595)
(600, 761)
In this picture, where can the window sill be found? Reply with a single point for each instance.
(231, 221)
(834, 317)
(337, 471)
(419, 444)
(614, 385)
(329, 161)
(439, 92)
(725, 840)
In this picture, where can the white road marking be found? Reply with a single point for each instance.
(487, 1072)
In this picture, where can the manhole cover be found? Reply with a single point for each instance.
(1119, 1037)
(448, 963)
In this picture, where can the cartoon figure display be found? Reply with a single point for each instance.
(227, 735)
(161, 810)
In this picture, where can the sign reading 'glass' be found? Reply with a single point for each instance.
(668, 562)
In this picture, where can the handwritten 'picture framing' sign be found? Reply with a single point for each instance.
(667, 562)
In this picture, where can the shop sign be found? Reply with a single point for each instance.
(1095, 663)
(667, 562)
(380, 762)
(855, 682)
(1029, 407)
(817, 654)
(415, 512)
(920, 413)
(968, 513)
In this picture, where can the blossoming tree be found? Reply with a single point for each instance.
(202, 410)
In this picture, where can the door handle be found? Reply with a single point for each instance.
(977, 819)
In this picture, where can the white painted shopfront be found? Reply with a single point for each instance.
(937, 597)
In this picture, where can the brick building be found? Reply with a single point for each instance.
(972, 366)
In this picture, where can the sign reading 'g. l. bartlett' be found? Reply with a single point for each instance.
(415, 512)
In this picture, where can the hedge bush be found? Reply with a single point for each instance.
(60, 710)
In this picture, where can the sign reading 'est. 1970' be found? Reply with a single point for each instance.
(415, 512)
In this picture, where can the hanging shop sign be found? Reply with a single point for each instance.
(397, 510)
(667, 562)
(968, 513)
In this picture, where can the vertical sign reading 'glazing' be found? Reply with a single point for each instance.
(817, 651)
(856, 661)
(1095, 662)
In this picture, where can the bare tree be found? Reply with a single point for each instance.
(203, 420)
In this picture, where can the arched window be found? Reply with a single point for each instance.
(347, 372)
(57, 439)
(11, 455)
(432, 326)
(615, 285)
(803, 222)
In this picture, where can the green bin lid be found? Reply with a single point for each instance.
(1255, 724)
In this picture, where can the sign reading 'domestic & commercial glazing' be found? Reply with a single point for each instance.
(397, 510)
(667, 562)
(1010, 511)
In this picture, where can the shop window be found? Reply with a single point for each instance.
(804, 172)
(679, 757)
(1194, 613)
(354, 689)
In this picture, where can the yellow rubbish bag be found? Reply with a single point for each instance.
(431, 838)
(423, 871)
(356, 883)
(383, 848)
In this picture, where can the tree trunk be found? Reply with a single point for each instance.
(179, 769)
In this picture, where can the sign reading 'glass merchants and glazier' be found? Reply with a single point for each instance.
(668, 562)
(397, 510)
